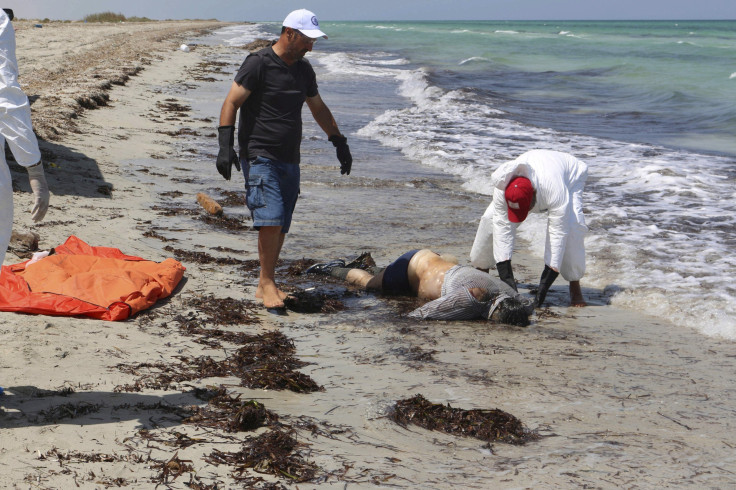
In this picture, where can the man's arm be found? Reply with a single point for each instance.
(236, 97)
(323, 115)
(227, 157)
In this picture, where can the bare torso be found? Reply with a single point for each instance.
(427, 273)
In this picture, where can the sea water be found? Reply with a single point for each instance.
(649, 106)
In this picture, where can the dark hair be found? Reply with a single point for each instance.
(283, 29)
(513, 312)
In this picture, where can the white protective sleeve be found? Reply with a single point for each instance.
(15, 111)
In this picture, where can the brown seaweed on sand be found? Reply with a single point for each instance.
(302, 301)
(231, 414)
(486, 425)
(273, 452)
(265, 361)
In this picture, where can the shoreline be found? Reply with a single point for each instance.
(619, 398)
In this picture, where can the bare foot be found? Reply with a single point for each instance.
(259, 293)
(576, 295)
(271, 296)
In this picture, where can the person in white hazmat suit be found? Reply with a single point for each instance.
(16, 129)
(540, 181)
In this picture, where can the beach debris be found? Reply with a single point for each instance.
(232, 198)
(265, 361)
(173, 468)
(258, 44)
(232, 414)
(69, 411)
(415, 353)
(304, 301)
(184, 48)
(209, 204)
(486, 425)
(363, 261)
(200, 257)
(274, 452)
(24, 241)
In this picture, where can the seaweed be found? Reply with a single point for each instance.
(231, 414)
(273, 452)
(200, 257)
(302, 301)
(69, 411)
(486, 425)
(265, 361)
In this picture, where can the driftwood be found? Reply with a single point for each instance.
(209, 204)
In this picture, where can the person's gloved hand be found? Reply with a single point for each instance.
(40, 191)
(343, 152)
(227, 156)
(548, 277)
(506, 274)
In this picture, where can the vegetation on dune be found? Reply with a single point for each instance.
(113, 17)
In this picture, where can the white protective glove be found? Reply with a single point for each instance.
(40, 191)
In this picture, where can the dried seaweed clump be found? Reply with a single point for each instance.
(268, 362)
(273, 452)
(487, 425)
(222, 311)
(232, 415)
(313, 302)
(265, 361)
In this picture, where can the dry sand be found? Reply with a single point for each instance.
(619, 399)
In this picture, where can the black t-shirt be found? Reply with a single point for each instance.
(271, 118)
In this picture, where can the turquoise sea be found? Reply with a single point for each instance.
(650, 106)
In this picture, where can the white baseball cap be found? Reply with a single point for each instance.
(305, 22)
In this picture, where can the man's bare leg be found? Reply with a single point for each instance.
(270, 241)
(259, 291)
(576, 294)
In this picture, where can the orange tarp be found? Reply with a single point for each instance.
(78, 279)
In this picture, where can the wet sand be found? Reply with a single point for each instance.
(618, 399)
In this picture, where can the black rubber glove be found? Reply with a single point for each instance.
(545, 282)
(227, 156)
(506, 274)
(343, 152)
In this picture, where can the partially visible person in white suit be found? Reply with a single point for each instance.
(16, 130)
(540, 181)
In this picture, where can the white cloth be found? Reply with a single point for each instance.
(15, 128)
(558, 180)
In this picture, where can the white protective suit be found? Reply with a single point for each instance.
(558, 180)
(15, 128)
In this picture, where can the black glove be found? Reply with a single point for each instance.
(506, 274)
(548, 277)
(227, 156)
(343, 152)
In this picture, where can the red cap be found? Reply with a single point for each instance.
(519, 195)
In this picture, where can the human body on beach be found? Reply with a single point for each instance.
(452, 291)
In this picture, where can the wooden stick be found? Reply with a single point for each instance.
(209, 204)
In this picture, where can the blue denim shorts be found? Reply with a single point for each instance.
(271, 191)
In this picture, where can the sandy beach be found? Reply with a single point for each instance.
(618, 399)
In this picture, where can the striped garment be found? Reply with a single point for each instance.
(456, 302)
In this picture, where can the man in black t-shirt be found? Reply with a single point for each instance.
(270, 89)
